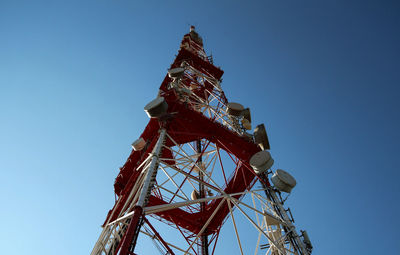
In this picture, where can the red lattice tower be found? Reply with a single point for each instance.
(190, 182)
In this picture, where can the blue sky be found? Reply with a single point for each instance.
(322, 75)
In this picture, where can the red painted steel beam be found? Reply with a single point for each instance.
(130, 232)
(158, 236)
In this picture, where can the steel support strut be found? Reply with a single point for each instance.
(131, 235)
(289, 229)
(157, 235)
(204, 238)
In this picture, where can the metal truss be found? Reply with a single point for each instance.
(175, 183)
(181, 193)
(203, 93)
(113, 232)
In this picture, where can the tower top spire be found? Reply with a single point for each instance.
(195, 36)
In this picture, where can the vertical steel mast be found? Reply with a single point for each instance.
(204, 238)
(199, 180)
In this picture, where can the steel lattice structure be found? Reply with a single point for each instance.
(191, 173)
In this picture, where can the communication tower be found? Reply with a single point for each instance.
(198, 180)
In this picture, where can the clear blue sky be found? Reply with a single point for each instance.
(322, 75)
